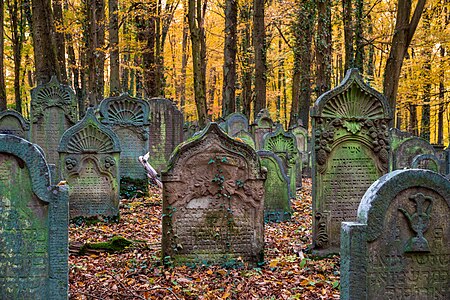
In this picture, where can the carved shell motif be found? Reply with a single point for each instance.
(125, 112)
(90, 139)
(280, 143)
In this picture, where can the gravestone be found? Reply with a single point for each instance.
(33, 225)
(166, 131)
(128, 118)
(189, 129)
(262, 125)
(89, 162)
(277, 202)
(405, 147)
(399, 248)
(245, 137)
(235, 123)
(11, 122)
(284, 145)
(213, 201)
(351, 151)
(53, 110)
(429, 162)
(301, 137)
(447, 162)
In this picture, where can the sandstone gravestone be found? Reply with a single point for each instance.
(235, 123)
(245, 137)
(166, 131)
(284, 145)
(11, 122)
(53, 110)
(351, 151)
(277, 202)
(263, 124)
(213, 201)
(128, 118)
(399, 248)
(89, 162)
(33, 225)
(405, 147)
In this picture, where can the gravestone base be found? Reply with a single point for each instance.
(131, 187)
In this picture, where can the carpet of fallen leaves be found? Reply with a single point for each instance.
(137, 272)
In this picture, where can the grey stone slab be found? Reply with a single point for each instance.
(11, 122)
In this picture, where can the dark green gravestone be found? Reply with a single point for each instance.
(284, 145)
(166, 131)
(429, 162)
(89, 162)
(53, 110)
(213, 201)
(128, 118)
(11, 122)
(277, 199)
(245, 137)
(351, 151)
(33, 225)
(399, 248)
(262, 125)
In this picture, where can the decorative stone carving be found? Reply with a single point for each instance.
(277, 202)
(351, 151)
(213, 201)
(89, 162)
(34, 225)
(399, 248)
(11, 122)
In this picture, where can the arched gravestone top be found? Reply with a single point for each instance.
(53, 94)
(246, 138)
(124, 110)
(263, 119)
(447, 162)
(167, 103)
(280, 141)
(11, 122)
(236, 122)
(429, 162)
(88, 136)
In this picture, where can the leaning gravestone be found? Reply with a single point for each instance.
(53, 111)
(34, 225)
(166, 131)
(399, 248)
(263, 124)
(351, 151)
(128, 118)
(213, 201)
(11, 122)
(277, 202)
(89, 162)
(284, 145)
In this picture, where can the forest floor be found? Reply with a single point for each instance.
(137, 273)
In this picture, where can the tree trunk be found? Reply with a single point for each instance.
(246, 59)
(196, 14)
(114, 81)
(370, 59)
(426, 70)
(323, 47)
(125, 61)
(184, 58)
(147, 36)
(259, 45)
(59, 38)
(45, 59)
(347, 18)
(403, 33)
(229, 65)
(3, 102)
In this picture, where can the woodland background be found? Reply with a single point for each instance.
(214, 57)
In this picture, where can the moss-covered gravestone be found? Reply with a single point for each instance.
(33, 225)
(284, 145)
(399, 248)
(429, 162)
(166, 131)
(262, 125)
(53, 110)
(128, 118)
(245, 137)
(213, 201)
(277, 202)
(301, 137)
(351, 151)
(89, 162)
(447, 162)
(11, 122)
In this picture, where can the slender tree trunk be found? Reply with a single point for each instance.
(259, 45)
(413, 128)
(212, 91)
(125, 60)
(370, 59)
(359, 39)
(114, 81)
(323, 47)
(426, 70)
(246, 59)
(347, 17)
(3, 102)
(59, 38)
(184, 57)
(147, 35)
(229, 65)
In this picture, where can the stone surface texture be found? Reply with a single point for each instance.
(11, 122)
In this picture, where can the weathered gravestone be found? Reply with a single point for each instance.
(447, 162)
(277, 202)
(89, 162)
(166, 131)
(53, 111)
(429, 162)
(284, 145)
(189, 129)
(262, 125)
(33, 225)
(213, 201)
(399, 248)
(11, 122)
(245, 137)
(128, 118)
(235, 123)
(405, 147)
(351, 151)
(301, 137)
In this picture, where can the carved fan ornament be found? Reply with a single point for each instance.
(281, 142)
(126, 111)
(90, 139)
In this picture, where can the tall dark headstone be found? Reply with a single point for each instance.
(213, 201)
(351, 151)
(53, 110)
(399, 248)
(11, 122)
(166, 131)
(89, 162)
(33, 225)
